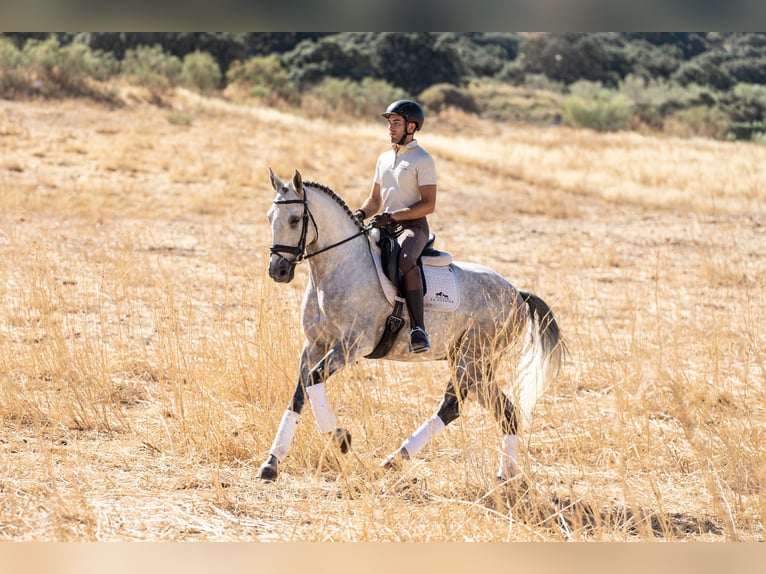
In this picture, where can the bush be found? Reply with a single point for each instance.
(698, 121)
(368, 98)
(662, 98)
(10, 56)
(501, 102)
(151, 67)
(543, 82)
(265, 76)
(44, 67)
(201, 71)
(441, 96)
(12, 78)
(746, 105)
(591, 106)
(704, 73)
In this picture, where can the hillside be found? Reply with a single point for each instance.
(147, 357)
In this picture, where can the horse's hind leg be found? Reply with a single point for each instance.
(465, 375)
(493, 398)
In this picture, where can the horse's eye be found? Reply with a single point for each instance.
(294, 220)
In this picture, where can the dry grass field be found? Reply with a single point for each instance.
(146, 357)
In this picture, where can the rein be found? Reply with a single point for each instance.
(299, 251)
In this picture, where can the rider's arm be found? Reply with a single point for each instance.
(371, 205)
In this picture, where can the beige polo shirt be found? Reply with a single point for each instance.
(400, 172)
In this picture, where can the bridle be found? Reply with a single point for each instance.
(299, 251)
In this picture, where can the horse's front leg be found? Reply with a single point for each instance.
(311, 383)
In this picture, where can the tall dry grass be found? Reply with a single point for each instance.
(147, 358)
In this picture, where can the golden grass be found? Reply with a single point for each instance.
(147, 358)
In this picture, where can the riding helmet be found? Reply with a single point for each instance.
(409, 110)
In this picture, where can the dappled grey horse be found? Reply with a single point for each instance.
(345, 311)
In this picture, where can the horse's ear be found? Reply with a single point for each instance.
(298, 182)
(275, 182)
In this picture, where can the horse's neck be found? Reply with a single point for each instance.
(349, 262)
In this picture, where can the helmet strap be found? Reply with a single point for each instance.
(406, 133)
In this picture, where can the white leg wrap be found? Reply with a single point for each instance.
(509, 454)
(285, 434)
(323, 413)
(428, 430)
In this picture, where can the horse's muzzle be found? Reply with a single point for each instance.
(281, 270)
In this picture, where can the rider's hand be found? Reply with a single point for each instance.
(381, 220)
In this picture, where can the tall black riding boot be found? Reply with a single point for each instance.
(413, 294)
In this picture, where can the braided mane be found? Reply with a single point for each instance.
(337, 198)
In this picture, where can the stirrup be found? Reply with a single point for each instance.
(419, 342)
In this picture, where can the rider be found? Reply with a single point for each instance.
(405, 187)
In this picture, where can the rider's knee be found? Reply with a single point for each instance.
(406, 264)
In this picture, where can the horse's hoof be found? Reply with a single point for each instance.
(268, 470)
(342, 439)
(394, 461)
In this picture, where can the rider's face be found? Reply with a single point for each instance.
(396, 127)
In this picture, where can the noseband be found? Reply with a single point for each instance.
(299, 251)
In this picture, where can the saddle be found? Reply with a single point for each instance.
(389, 260)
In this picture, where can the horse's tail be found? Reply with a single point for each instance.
(541, 357)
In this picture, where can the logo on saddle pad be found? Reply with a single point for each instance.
(442, 292)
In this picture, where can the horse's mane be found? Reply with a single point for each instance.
(337, 198)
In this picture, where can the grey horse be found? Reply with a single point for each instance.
(344, 314)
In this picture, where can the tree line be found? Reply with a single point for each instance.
(715, 77)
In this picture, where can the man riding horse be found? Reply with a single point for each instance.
(405, 187)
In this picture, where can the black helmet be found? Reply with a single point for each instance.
(409, 110)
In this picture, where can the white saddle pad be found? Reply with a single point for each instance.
(443, 291)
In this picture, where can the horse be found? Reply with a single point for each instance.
(344, 315)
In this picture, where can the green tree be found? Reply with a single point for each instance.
(340, 56)
(568, 58)
(414, 61)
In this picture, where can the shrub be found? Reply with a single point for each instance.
(12, 78)
(543, 82)
(45, 67)
(591, 106)
(367, 98)
(265, 76)
(201, 71)
(10, 56)
(704, 73)
(746, 105)
(501, 102)
(151, 67)
(664, 97)
(441, 96)
(699, 121)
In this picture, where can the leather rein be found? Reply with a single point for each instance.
(299, 251)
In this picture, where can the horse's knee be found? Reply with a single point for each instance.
(449, 409)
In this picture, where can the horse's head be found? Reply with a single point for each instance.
(289, 218)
